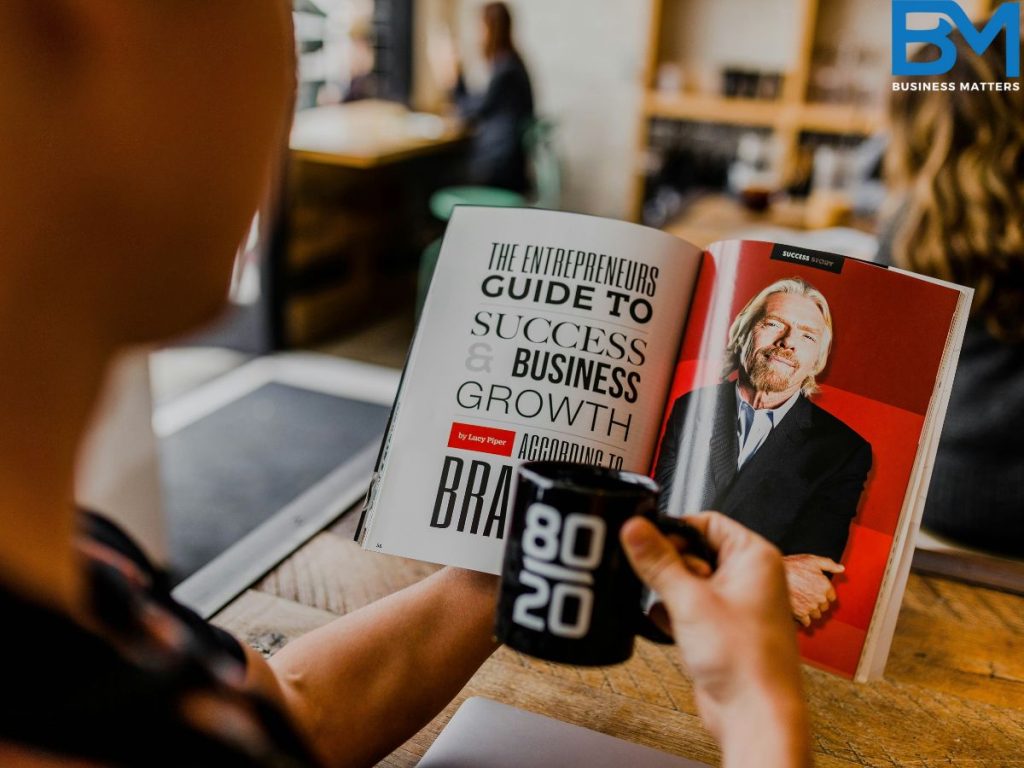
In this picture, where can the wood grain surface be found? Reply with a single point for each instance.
(953, 692)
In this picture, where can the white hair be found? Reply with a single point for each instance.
(741, 332)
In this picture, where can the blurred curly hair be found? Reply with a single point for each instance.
(956, 160)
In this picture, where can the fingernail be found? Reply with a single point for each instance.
(635, 535)
(697, 566)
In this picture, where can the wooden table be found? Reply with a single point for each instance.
(953, 693)
(367, 134)
(353, 215)
(718, 216)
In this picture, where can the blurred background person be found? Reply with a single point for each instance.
(362, 83)
(956, 168)
(337, 58)
(131, 179)
(499, 115)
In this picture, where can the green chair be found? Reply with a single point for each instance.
(445, 199)
(544, 165)
(545, 171)
(442, 203)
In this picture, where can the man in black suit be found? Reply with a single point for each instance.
(758, 450)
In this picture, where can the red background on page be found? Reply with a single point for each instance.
(879, 380)
(885, 345)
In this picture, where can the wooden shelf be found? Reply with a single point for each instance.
(716, 109)
(820, 118)
(787, 117)
(839, 118)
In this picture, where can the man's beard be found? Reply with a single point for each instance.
(766, 377)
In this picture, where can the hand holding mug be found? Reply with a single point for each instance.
(735, 634)
(568, 593)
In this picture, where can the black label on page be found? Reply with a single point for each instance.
(830, 262)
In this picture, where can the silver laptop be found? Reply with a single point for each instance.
(486, 734)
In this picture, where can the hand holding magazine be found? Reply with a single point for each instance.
(798, 392)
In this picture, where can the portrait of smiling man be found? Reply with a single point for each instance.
(759, 450)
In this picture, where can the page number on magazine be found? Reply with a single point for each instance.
(558, 569)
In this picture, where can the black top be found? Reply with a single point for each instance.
(153, 685)
(500, 117)
(976, 495)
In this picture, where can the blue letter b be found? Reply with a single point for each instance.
(939, 36)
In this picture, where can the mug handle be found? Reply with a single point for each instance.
(697, 546)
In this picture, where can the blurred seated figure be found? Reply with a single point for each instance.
(956, 167)
(501, 114)
(362, 82)
(355, 67)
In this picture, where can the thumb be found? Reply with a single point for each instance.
(653, 557)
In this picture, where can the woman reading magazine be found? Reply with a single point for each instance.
(136, 147)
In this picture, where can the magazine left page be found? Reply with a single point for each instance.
(545, 335)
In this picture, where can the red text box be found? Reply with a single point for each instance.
(470, 437)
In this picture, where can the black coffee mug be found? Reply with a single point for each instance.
(568, 592)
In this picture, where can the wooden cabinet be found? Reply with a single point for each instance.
(793, 67)
(354, 216)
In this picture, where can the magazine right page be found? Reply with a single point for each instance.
(799, 404)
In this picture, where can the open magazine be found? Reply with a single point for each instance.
(799, 392)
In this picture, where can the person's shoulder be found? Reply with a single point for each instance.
(713, 391)
(835, 429)
(721, 389)
(23, 757)
(509, 64)
(707, 397)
